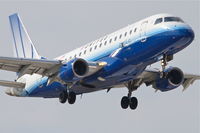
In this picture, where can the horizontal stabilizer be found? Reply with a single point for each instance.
(12, 84)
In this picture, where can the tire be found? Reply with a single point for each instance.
(133, 103)
(63, 97)
(125, 102)
(72, 98)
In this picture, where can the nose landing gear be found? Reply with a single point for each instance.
(164, 61)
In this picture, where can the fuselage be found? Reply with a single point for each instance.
(127, 51)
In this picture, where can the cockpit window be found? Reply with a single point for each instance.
(174, 19)
(159, 20)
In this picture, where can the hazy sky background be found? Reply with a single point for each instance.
(58, 27)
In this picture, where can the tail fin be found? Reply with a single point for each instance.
(23, 46)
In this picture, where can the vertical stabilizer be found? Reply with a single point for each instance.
(23, 46)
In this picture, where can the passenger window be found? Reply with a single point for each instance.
(85, 52)
(100, 45)
(90, 49)
(110, 40)
(135, 29)
(115, 38)
(80, 54)
(159, 20)
(125, 33)
(120, 36)
(95, 47)
(130, 32)
(105, 43)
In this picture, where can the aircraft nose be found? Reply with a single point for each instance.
(188, 32)
(185, 34)
(189, 35)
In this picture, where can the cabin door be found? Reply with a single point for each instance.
(143, 28)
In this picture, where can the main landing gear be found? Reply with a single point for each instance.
(70, 96)
(132, 102)
(128, 101)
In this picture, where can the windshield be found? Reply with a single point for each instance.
(173, 19)
(159, 20)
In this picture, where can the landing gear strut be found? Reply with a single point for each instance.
(163, 65)
(128, 101)
(165, 59)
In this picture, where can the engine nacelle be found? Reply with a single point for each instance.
(79, 68)
(82, 68)
(174, 78)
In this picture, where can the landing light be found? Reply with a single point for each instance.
(102, 63)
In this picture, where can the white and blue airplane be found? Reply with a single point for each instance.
(119, 59)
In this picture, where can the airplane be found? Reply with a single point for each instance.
(116, 60)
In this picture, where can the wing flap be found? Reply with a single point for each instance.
(28, 66)
(27, 61)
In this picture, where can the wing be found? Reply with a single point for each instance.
(29, 66)
(12, 84)
(189, 79)
(149, 76)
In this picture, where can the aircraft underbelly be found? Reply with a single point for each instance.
(127, 73)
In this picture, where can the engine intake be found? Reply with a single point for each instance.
(82, 68)
(173, 79)
(175, 76)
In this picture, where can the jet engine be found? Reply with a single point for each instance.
(173, 78)
(79, 68)
(82, 68)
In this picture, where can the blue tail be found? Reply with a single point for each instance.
(23, 46)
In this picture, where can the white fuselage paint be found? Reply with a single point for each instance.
(133, 32)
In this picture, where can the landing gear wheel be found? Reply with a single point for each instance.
(63, 97)
(71, 98)
(133, 103)
(124, 102)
